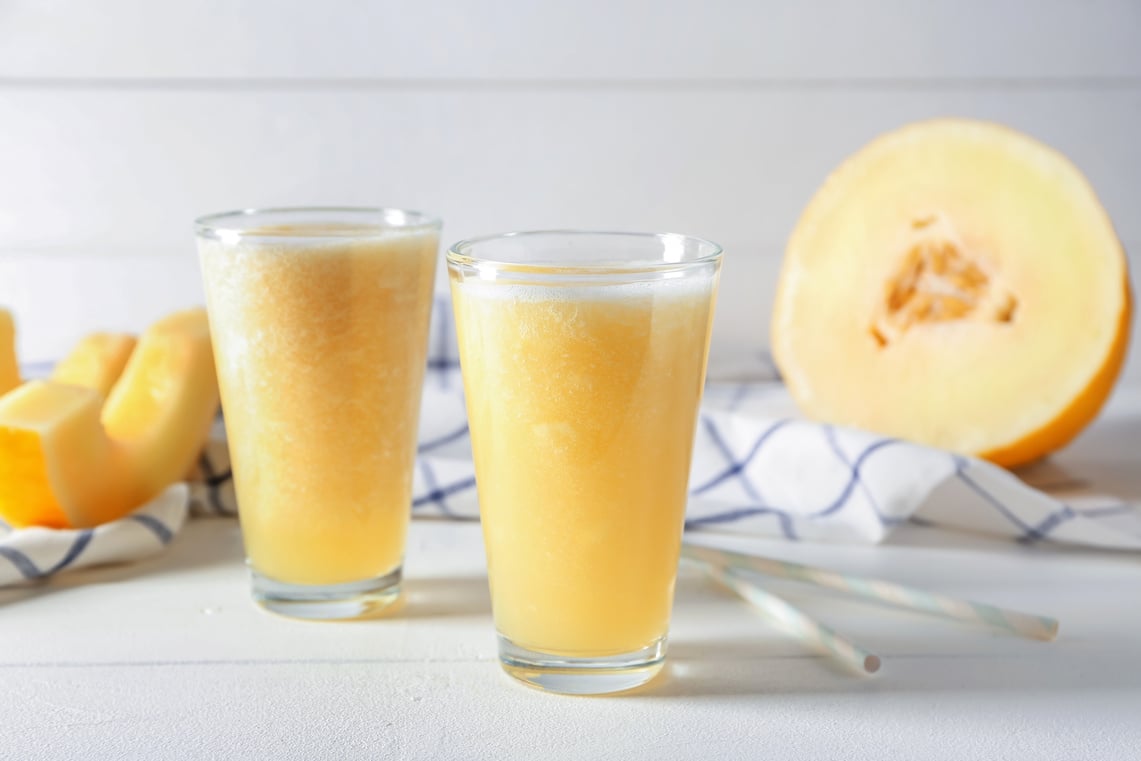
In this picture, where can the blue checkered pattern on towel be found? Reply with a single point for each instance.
(33, 554)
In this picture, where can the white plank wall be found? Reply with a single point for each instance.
(122, 120)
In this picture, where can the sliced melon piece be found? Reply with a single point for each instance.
(958, 284)
(96, 362)
(68, 459)
(57, 466)
(9, 365)
(162, 409)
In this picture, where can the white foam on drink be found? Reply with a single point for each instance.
(691, 287)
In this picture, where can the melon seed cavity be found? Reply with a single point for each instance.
(938, 280)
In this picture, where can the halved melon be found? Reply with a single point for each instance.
(958, 284)
(9, 365)
(96, 362)
(69, 460)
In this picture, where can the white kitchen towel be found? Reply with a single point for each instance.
(31, 554)
(757, 469)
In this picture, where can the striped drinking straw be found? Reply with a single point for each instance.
(793, 620)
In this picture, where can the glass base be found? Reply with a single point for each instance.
(582, 676)
(332, 602)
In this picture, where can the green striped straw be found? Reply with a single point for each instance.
(884, 592)
(795, 621)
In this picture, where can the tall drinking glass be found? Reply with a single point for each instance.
(319, 319)
(583, 359)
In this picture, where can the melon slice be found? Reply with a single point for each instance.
(958, 284)
(96, 362)
(9, 365)
(67, 459)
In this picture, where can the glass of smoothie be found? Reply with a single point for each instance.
(319, 318)
(583, 358)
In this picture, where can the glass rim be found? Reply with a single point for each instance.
(459, 254)
(208, 225)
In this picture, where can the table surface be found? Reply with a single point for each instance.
(168, 658)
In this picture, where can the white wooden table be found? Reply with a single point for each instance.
(170, 659)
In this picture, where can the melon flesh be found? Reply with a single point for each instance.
(57, 466)
(96, 362)
(9, 365)
(958, 284)
(67, 459)
(162, 409)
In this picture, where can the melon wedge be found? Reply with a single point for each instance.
(67, 459)
(96, 362)
(958, 284)
(9, 365)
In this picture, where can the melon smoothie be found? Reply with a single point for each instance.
(319, 320)
(583, 373)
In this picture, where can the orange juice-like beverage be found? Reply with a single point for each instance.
(320, 335)
(582, 401)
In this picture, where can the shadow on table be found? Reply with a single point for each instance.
(441, 597)
(689, 675)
